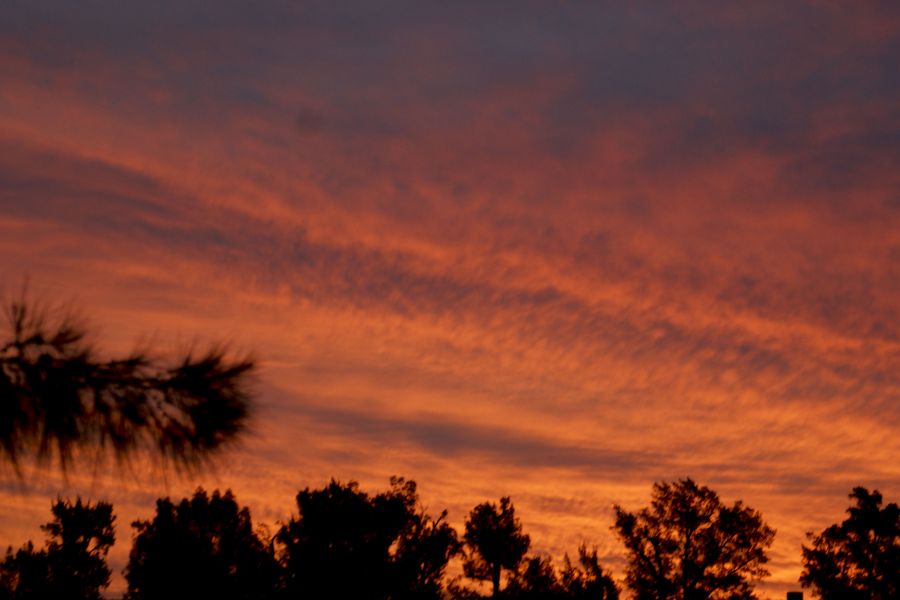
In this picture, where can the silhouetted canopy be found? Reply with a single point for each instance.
(73, 562)
(688, 545)
(346, 543)
(535, 580)
(494, 542)
(586, 579)
(202, 547)
(860, 557)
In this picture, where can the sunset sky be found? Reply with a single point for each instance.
(555, 250)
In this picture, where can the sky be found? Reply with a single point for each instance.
(554, 250)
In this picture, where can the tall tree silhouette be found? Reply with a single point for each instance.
(494, 542)
(202, 547)
(73, 563)
(57, 396)
(347, 544)
(689, 545)
(860, 557)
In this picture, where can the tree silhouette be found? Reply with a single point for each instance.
(688, 545)
(73, 563)
(424, 548)
(203, 547)
(495, 542)
(587, 579)
(348, 544)
(538, 579)
(860, 558)
(56, 396)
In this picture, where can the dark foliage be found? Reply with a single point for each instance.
(25, 574)
(536, 579)
(348, 544)
(57, 397)
(494, 542)
(859, 558)
(587, 580)
(203, 547)
(73, 563)
(688, 545)
(423, 550)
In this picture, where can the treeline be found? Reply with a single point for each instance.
(346, 543)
